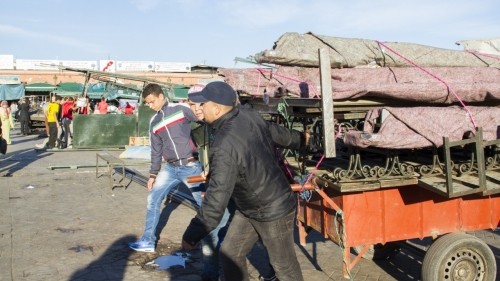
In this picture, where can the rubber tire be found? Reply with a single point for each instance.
(456, 253)
(379, 251)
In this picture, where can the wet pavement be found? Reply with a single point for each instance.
(59, 222)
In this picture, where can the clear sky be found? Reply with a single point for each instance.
(214, 32)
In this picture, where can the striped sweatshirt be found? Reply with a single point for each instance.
(170, 135)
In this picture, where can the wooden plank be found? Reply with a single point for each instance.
(464, 185)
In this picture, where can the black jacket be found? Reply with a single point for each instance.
(24, 111)
(244, 168)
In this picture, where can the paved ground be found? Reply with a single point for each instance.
(64, 224)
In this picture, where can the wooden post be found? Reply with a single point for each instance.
(327, 103)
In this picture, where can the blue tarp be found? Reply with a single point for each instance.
(11, 92)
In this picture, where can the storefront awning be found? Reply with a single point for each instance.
(69, 89)
(39, 87)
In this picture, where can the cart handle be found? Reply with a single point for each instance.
(296, 187)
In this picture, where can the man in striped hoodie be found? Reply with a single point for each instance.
(170, 139)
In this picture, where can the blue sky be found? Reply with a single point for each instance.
(214, 32)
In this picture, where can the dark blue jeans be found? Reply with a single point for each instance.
(277, 237)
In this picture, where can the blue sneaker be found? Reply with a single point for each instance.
(142, 246)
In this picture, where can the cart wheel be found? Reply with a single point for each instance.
(379, 251)
(459, 257)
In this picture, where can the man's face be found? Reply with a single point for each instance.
(197, 110)
(210, 111)
(155, 102)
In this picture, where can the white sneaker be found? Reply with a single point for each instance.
(40, 146)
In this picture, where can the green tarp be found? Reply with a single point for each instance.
(40, 87)
(96, 90)
(69, 89)
(11, 92)
(180, 92)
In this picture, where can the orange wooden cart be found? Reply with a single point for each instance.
(363, 219)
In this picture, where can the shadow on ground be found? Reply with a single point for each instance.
(112, 263)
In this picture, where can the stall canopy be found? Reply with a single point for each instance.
(180, 92)
(11, 91)
(69, 89)
(127, 91)
(40, 87)
(96, 90)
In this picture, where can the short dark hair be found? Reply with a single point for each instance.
(152, 89)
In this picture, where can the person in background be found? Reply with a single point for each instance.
(7, 120)
(45, 106)
(85, 108)
(128, 109)
(3, 143)
(243, 169)
(24, 116)
(102, 106)
(13, 110)
(52, 120)
(113, 109)
(68, 107)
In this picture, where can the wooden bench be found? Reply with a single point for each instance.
(111, 162)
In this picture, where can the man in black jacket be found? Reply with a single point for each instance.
(24, 116)
(243, 168)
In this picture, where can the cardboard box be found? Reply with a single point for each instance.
(138, 141)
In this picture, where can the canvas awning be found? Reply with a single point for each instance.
(11, 92)
(180, 92)
(69, 89)
(40, 87)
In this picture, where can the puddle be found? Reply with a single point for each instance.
(166, 262)
(68, 230)
(82, 249)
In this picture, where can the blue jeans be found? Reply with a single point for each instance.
(168, 177)
(277, 237)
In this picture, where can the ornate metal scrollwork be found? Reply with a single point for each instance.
(357, 171)
(493, 159)
(435, 168)
(393, 167)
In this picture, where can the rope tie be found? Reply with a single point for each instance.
(433, 76)
(483, 54)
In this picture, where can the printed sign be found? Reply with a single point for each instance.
(6, 61)
(172, 67)
(22, 64)
(85, 64)
(10, 79)
(137, 66)
(107, 65)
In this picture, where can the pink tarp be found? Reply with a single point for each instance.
(419, 127)
(470, 84)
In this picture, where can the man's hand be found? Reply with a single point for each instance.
(307, 136)
(151, 182)
(186, 246)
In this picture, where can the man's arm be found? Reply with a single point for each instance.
(222, 179)
(287, 138)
